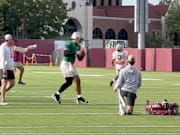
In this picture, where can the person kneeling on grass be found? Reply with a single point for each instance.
(71, 51)
(127, 85)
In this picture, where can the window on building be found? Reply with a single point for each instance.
(94, 3)
(110, 2)
(123, 35)
(70, 27)
(117, 2)
(102, 2)
(110, 34)
(97, 33)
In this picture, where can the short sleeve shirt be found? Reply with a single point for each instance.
(73, 48)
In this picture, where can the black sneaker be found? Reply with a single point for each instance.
(56, 98)
(22, 83)
(81, 100)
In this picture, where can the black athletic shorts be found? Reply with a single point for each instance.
(129, 96)
(9, 75)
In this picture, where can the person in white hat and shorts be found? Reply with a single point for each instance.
(6, 67)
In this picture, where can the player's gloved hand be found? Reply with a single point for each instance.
(111, 83)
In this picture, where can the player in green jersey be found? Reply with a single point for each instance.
(71, 51)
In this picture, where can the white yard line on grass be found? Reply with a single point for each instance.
(177, 84)
(58, 113)
(96, 75)
(89, 133)
(80, 126)
(152, 79)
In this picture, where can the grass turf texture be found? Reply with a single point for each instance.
(32, 111)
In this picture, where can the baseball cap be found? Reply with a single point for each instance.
(131, 58)
(8, 37)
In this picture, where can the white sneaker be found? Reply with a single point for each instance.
(3, 103)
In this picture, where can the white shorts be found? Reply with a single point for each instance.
(18, 64)
(119, 67)
(68, 69)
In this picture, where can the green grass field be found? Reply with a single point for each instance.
(32, 111)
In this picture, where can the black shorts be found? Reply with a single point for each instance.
(10, 75)
(129, 96)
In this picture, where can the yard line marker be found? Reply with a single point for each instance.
(80, 126)
(152, 79)
(57, 113)
(177, 84)
(88, 133)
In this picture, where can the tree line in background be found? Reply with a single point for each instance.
(171, 37)
(32, 18)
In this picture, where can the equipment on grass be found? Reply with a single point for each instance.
(33, 59)
(163, 108)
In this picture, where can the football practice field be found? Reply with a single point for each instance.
(31, 109)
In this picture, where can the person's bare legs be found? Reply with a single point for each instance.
(130, 109)
(6, 85)
(78, 84)
(80, 99)
(3, 90)
(21, 72)
(10, 84)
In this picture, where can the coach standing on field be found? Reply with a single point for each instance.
(128, 83)
(6, 67)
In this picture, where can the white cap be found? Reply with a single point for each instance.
(131, 58)
(76, 35)
(8, 37)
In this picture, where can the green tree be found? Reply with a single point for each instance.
(173, 19)
(173, 22)
(1, 18)
(34, 18)
(165, 2)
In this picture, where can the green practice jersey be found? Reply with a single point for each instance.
(73, 48)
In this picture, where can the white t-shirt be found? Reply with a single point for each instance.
(120, 56)
(6, 57)
(120, 59)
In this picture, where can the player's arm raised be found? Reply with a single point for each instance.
(24, 50)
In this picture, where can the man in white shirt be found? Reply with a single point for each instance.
(6, 67)
(119, 57)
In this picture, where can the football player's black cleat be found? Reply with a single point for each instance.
(81, 100)
(56, 98)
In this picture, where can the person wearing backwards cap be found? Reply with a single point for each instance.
(128, 83)
(6, 67)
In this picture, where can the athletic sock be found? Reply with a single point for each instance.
(58, 93)
(78, 96)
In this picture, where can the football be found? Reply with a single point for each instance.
(80, 54)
